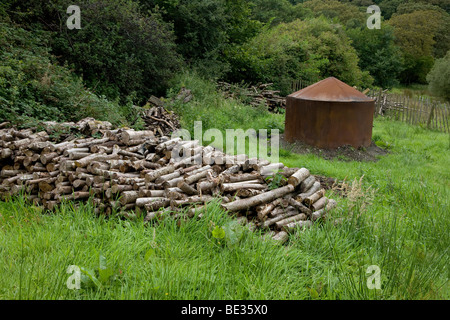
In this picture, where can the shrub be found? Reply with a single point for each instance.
(439, 77)
(33, 87)
(119, 50)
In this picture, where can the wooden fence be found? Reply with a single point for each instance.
(413, 110)
(300, 84)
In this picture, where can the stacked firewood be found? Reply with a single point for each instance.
(134, 172)
(256, 95)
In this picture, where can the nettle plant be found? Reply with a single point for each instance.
(275, 181)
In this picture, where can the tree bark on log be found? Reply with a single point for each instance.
(230, 187)
(153, 175)
(319, 204)
(259, 199)
(206, 186)
(246, 193)
(298, 224)
(300, 207)
(269, 222)
(151, 193)
(302, 196)
(187, 188)
(281, 237)
(141, 202)
(321, 213)
(128, 197)
(156, 205)
(298, 177)
(168, 177)
(266, 209)
(271, 169)
(307, 183)
(261, 163)
(172, 183)
(95, 157)
(282, 223)
(242, 177)
(195, 177)
(190, 200)
(233, 169)
(314, 197)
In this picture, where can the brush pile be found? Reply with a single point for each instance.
(160, 121)
(255, 95)
(132, 172)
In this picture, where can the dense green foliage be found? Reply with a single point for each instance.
(273, 12)
(34, 86)
(377, 54)
(205, 28)
(119, 50)
(347, 14)
(130, 49)
(122, 53)
(415, 33)
(309, 49)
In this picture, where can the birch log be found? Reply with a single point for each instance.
(259, 199)
(298, 177)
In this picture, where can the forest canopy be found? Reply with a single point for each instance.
(127, 50)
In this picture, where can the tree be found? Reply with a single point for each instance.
(205, 28)
(378, 54)
(274, 12)
(439, 77)
(442, 34)
(333, 9)
(415, 33)
(120, 48)
(310, 50)
(389, 7)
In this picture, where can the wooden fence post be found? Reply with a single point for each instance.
(379, 104)
(436, 115)
(420, 110)
(430, 116)
(446, 118)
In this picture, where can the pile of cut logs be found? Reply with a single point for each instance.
(258, 94)
(133, 172)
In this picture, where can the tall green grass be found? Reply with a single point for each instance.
(185, 261)
(210, 107)
(397, 218)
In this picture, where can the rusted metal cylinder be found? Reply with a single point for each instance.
(329, 114)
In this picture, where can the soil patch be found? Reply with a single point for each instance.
(344, 153)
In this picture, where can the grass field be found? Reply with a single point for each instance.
(397, 219)
(395, 215)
